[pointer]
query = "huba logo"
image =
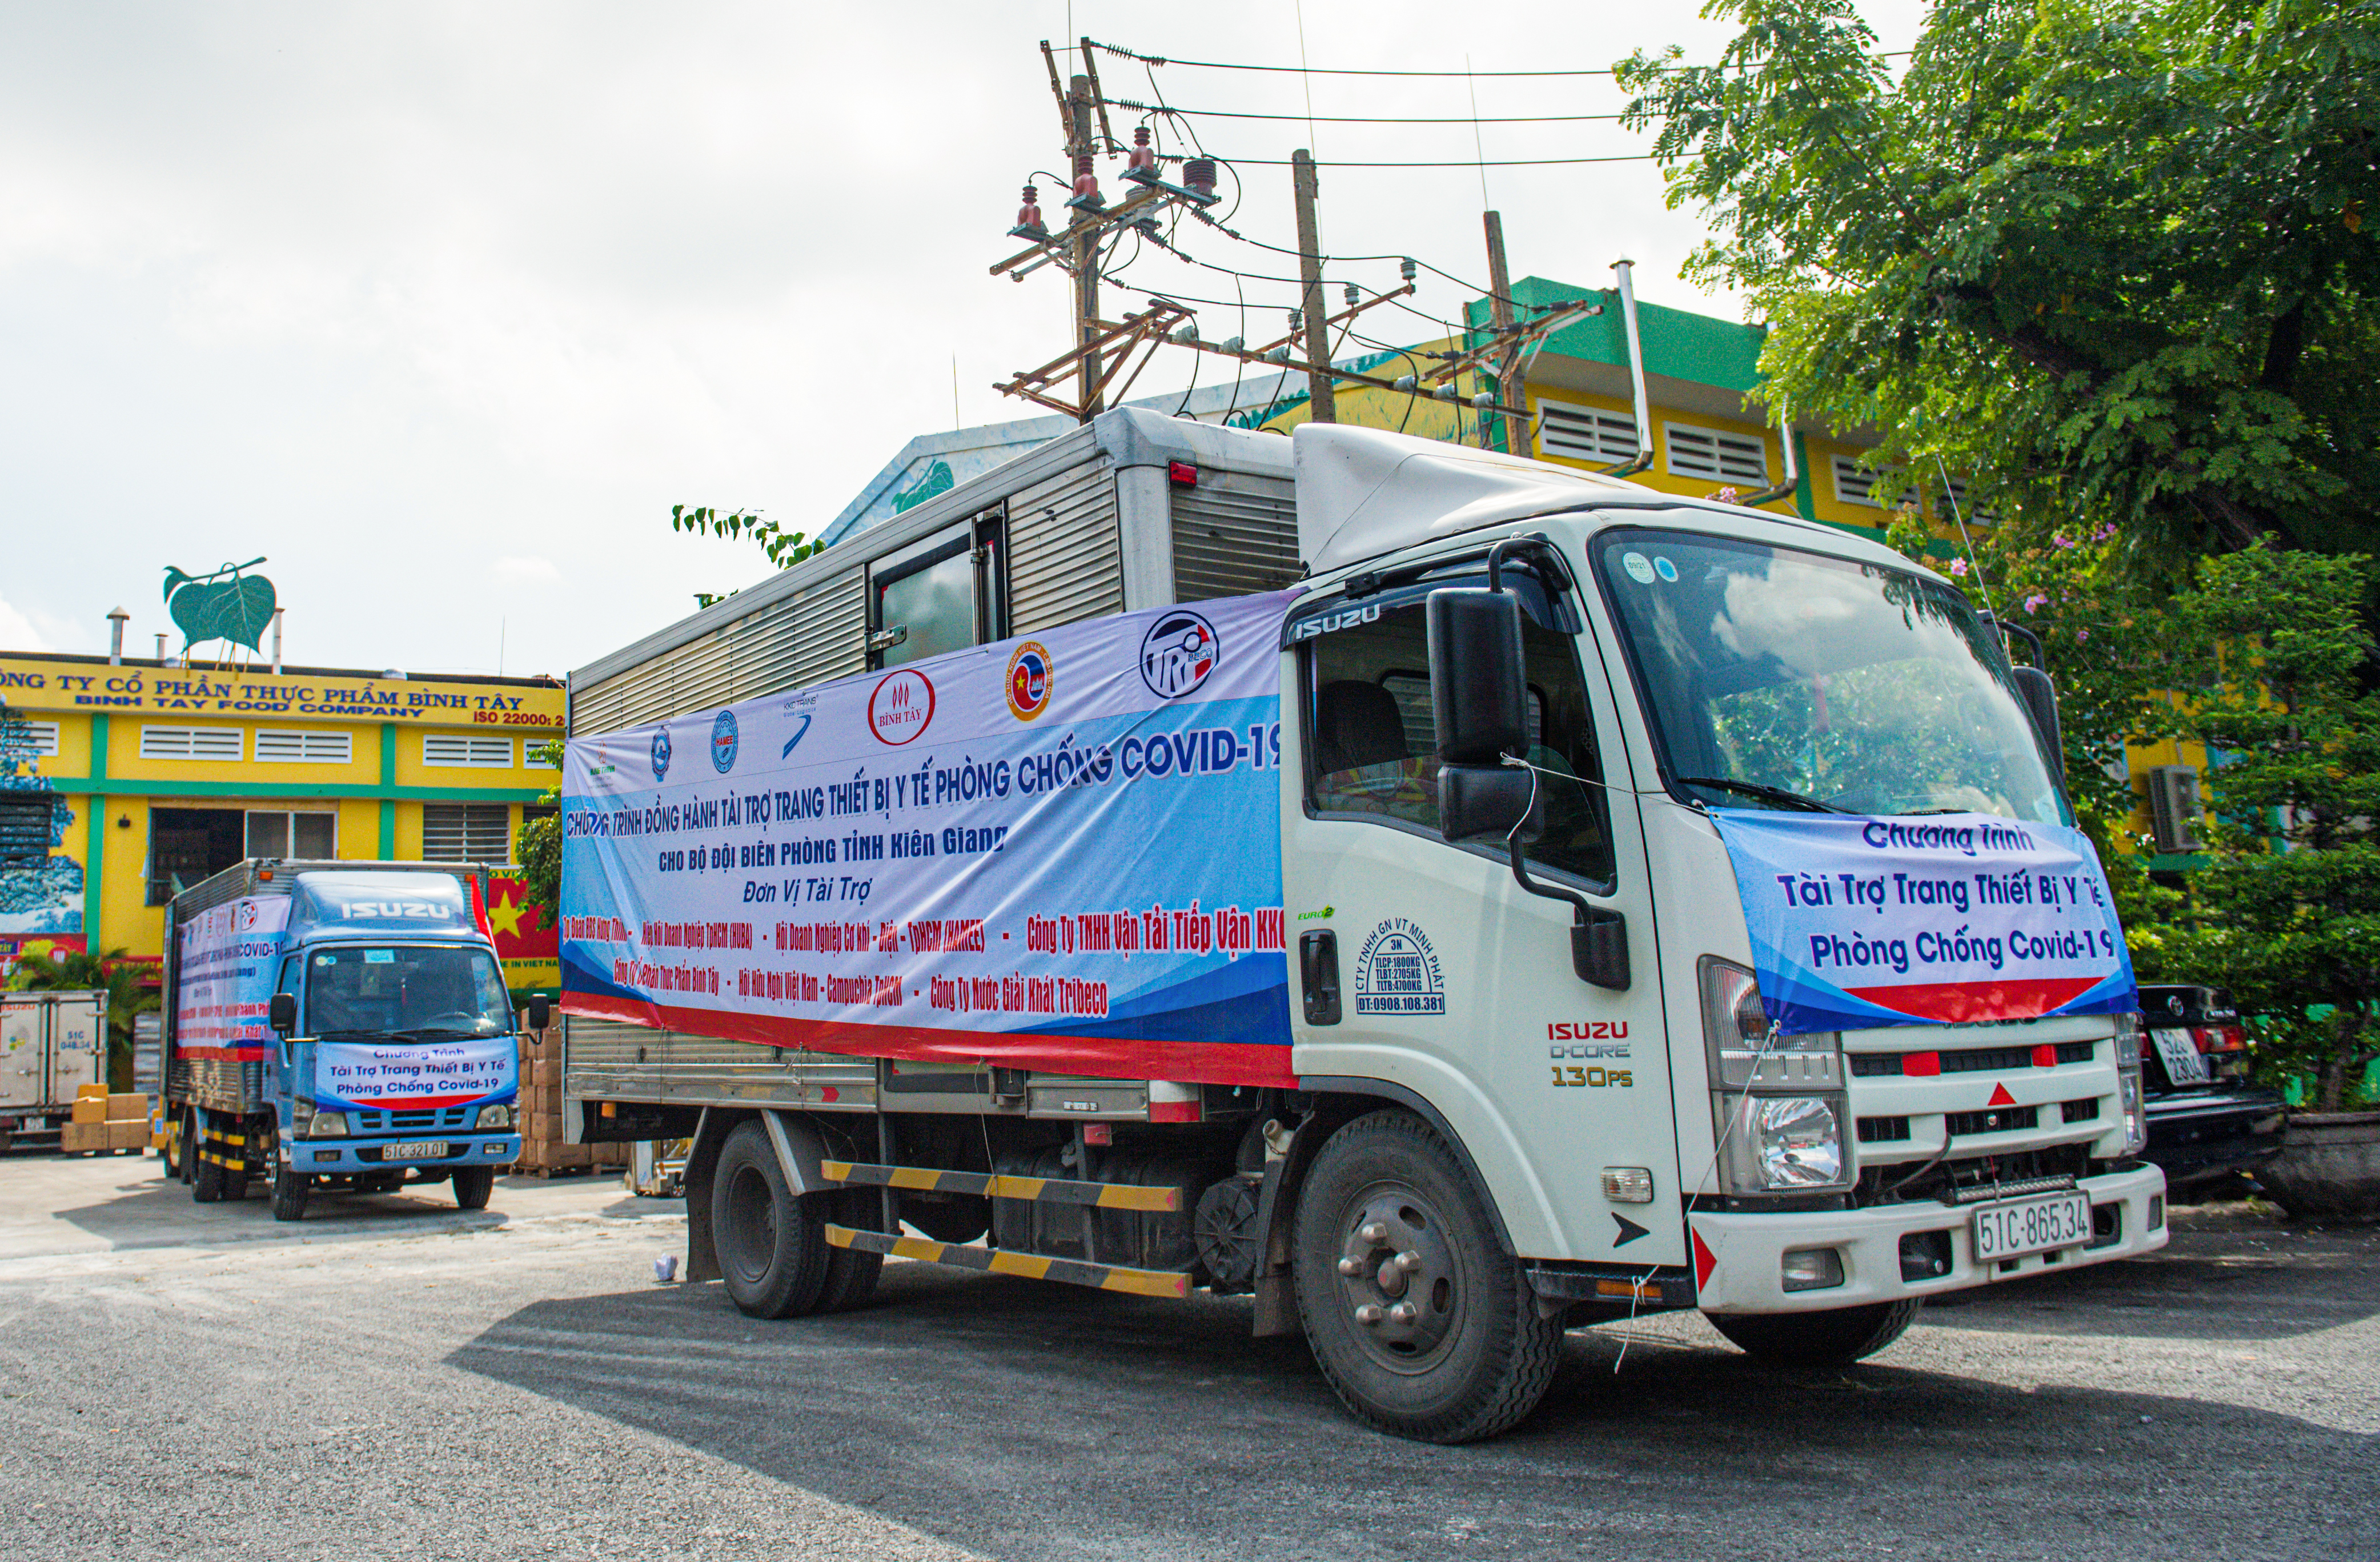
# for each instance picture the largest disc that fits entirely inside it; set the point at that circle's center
(1177, 654)
(722, 742)
(901, 707)
(661, 753)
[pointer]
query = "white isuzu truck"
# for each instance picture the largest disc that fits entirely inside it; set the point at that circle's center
(1451, 898)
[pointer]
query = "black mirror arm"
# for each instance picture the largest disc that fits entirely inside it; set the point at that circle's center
(1598, 936)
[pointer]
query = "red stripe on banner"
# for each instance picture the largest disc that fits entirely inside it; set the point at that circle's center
(222, 1055)
(1107, 1057)
(1968, 1003)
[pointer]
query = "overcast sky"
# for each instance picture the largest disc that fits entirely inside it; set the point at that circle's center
(441, 307)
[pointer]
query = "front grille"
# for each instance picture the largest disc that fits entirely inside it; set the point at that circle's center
(428, 1119)
(2001, 1120)
(1883, 1130)
(1979, 1060)
(1969, 1177)
(2080, 1111)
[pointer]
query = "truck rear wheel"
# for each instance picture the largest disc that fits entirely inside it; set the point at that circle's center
(289, 1191)
(1834, 1338)
(772, 1253)
(207, 1179)
(472, 1186)
(1423, 1325)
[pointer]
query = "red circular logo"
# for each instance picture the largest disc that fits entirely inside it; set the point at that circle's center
(902, 706)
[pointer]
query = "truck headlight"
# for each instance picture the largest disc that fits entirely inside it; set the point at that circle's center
(2127, 1083)
(496, 1114)
(328, 1125)
(1778, 1102)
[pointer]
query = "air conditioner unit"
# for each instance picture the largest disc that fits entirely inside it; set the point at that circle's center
(2174, 808)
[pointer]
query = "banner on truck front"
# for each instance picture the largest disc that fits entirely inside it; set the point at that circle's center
(1931, 919)
(1059, 851)
(224, 973)
(397, 1075)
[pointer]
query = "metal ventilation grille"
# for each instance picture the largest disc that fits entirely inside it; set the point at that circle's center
(1066, 560)
(819, 632)
(1234, 535)
(476, 832)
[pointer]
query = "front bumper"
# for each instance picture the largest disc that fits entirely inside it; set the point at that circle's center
(353, 1157)
(2202, 1134)
(1739, 1255)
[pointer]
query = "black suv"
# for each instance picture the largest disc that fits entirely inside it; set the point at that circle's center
(2204, 1118)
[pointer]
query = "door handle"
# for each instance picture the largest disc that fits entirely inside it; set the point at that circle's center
(1317, 969)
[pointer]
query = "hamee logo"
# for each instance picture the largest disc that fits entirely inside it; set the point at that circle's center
(1177, 654)
(722, 742)
(660, 752)
(1030, 674)
(901, 707)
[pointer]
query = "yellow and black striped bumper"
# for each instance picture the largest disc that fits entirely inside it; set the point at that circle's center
(1028, 1267)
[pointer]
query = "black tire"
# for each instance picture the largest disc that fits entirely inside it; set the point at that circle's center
(208, 1180)
(289, 1191)
(472, 1187)
(772, 1254)
(1472, 1356)
(1835, 1338)
(186, 1154)
(851, 1274)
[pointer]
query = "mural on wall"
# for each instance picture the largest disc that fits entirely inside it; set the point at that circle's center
(226, 604)
(40, 892)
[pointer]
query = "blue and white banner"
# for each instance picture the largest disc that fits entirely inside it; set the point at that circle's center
(1059, 851)
(413, 1075)
(1937, 919)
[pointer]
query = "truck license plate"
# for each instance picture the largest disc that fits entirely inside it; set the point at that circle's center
(436, 1151)
(2031, 1226)
(2184, 1064)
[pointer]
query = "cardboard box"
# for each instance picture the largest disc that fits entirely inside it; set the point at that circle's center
(128, 1108)
(545, 1126)
(92, 1088)
(83, 1136)
(89, 1111)
(128, 1136)
(546, 1072)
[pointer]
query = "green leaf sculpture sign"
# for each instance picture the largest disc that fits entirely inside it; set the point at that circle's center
(226, 604)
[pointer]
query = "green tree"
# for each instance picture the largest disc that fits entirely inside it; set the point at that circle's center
(540, 841)
(2107, 260)
(80, 971)
(785, 549)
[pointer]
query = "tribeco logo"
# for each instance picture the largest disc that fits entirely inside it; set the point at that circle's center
(1030, 674)
(1177, 654)
(902, 706)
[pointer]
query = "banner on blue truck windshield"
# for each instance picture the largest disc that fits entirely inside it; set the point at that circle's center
(1934, 919)
(224, 971)
(412, 1075)
(1059, 851)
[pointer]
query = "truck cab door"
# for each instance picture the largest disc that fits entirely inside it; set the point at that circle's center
(1454, 983)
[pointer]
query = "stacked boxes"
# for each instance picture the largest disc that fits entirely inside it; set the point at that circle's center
(542, 1123)
(102, 1121)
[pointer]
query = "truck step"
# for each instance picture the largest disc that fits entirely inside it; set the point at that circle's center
(1036, 1190)
(1028, 1267)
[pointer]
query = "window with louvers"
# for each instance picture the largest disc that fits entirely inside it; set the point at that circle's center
(456, 749)
(193, 743)
(24, 819)
(1721, 457)
(1584, 434)
(304, 747)
(474, 832)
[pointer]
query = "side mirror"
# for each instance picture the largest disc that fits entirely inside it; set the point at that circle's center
(540, 1011)
(1484, 803)
(2040, 696)
(282, 1013)
(1476, 675)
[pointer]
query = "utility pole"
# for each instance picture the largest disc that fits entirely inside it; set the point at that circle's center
(1325, 408)
(1500, 305)
(1086, 248)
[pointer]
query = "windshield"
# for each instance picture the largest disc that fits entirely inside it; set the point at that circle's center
(394, 990)
(1777, 679)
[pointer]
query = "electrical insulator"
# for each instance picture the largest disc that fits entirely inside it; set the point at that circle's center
(1408, 268)
(1143, 156)
(1483, 400)
(1354, 295)
(1198, 174)
(1087, 184)
(1448, 393)
(1031, 214)
(1408, 383)
(1296, 321)
(1236, 344)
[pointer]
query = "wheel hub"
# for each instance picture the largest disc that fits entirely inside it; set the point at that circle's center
(1398, 1276)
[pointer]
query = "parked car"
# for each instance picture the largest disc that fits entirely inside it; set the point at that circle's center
(2205, 1120)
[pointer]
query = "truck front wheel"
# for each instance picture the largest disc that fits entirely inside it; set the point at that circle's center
(772, 1255)
(1423, 1325)
(289, 1192)
(472, 1186)
(207, 1178)
(1835, 1338)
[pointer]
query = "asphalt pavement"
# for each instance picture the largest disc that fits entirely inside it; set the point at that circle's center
(398, 1378)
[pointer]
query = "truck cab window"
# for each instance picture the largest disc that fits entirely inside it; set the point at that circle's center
(422, 990)
(1371, 734)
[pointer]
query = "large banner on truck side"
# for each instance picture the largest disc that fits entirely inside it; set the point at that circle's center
(1059, 851)
(224, 973)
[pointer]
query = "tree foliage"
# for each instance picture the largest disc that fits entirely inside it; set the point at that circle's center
(540, 840)
(2105, 259)
(785, 549)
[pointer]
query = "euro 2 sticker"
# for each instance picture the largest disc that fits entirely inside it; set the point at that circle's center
(1177, 654)
(722, 742)
(1397, 972)
(1030, 674)
(902, 706)
(1664, 569)
(660, 752)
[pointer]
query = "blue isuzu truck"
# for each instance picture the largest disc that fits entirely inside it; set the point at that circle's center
(341, 1025)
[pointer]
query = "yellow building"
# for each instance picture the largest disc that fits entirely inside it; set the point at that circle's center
(123, 782)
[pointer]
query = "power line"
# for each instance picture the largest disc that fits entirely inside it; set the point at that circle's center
(1441, 75)
(1465, 163)
(1363, 118)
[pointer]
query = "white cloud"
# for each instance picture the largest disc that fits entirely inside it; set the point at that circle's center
(16, 631)
(528, 571)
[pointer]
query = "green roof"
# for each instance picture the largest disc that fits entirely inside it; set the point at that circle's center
(1679, 344)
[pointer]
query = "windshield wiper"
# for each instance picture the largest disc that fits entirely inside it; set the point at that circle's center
(425, 1032)
(1777, 795)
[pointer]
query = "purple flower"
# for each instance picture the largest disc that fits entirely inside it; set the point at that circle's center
(2033, 603)
(2082, 634)
(2063, 541)
(1959, 568)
